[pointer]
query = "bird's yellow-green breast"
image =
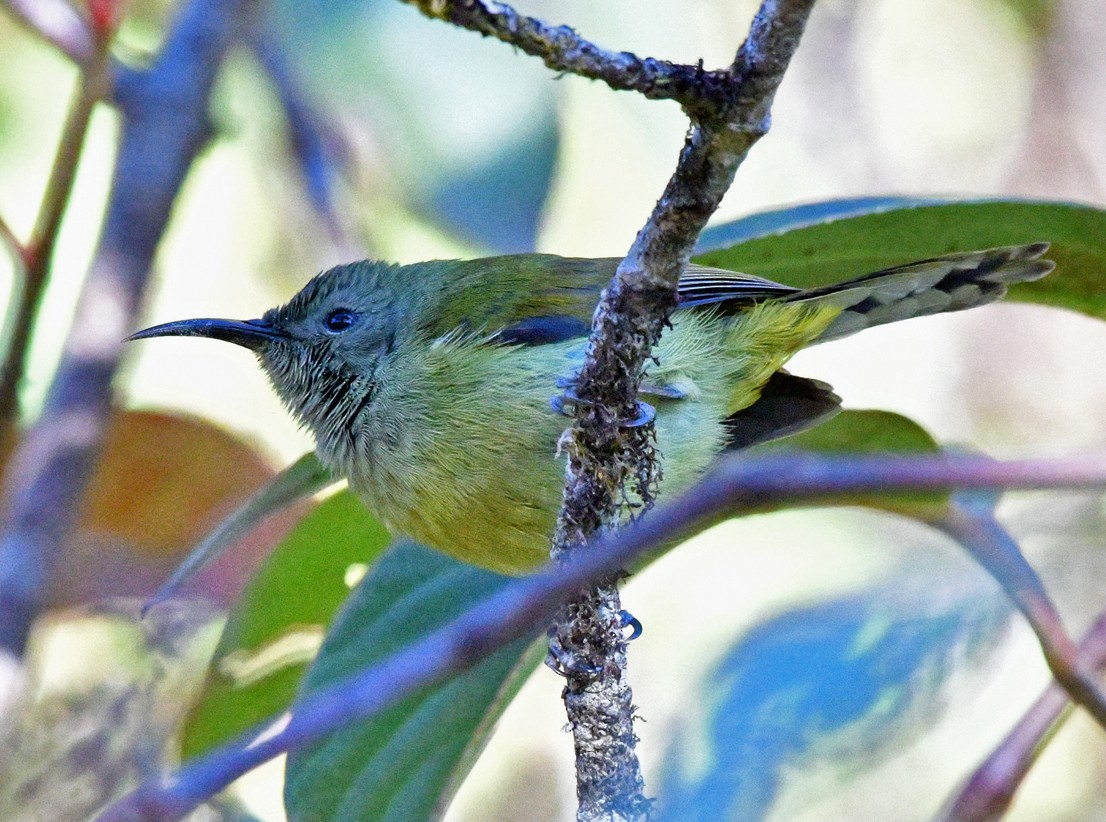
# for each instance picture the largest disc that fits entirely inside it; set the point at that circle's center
(460, 448)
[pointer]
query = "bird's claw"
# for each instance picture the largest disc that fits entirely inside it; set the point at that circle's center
(565, 403)
(633, 623)
(566, 663)
(665, 392)
(558, 405)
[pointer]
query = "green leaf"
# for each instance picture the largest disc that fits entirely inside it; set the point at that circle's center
(780, 220)
(277, 626)
(862, 431)
(405, 763)
(828, 242)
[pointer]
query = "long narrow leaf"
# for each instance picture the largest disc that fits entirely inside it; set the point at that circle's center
(404, 763)
(303, 477)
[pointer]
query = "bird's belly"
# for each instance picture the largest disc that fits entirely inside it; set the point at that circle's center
(508, 530)
(492, 506)
(500, 512)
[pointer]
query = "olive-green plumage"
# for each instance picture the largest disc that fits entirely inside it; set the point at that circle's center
(429, 386)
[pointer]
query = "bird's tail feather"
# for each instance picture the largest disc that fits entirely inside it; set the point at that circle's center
(950, 283)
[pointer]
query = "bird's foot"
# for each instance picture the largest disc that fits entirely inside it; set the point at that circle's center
(646, 414)
(566, 403)
(566, 663)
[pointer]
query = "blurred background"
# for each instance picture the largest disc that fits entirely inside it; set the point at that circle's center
(440, 144)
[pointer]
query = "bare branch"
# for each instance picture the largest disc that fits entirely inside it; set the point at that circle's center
(39, 252)
(58, 23)
(563, 50)
(1000, 555)
(13, 244)
(987, 794)
(738, 485)
(165, 126)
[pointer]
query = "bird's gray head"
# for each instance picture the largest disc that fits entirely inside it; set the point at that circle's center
(323, 351)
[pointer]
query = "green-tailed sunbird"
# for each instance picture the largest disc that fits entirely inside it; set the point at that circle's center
(429, 386)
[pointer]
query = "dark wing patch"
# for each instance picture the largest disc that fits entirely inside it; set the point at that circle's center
(551, 328)
(787, 405)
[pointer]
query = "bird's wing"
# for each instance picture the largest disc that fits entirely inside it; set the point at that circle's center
(520, 299)
(537, 299)
(701, 285)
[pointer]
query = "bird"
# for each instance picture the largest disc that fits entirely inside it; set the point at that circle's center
(432, 388)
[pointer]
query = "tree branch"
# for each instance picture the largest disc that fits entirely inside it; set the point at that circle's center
(604, 453)
(729, 111)
(12, 243)
(988, 792)
(165, 126)
(738, 485)
(999, 554)
(563, 50)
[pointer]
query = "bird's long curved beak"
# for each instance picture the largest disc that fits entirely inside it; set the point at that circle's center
(252, 334)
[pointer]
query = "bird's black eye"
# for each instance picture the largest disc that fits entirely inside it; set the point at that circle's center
(339, 319)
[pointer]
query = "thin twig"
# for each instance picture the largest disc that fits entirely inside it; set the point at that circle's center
(61, 25)
(988, 792)
(39, 251)
(738, 485)
(10, 241)
(993, 548)
(58, 23)
(563, 50)
(165, 125)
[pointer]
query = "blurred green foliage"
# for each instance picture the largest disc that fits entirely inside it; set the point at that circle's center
(276, 626)
(467, 131)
